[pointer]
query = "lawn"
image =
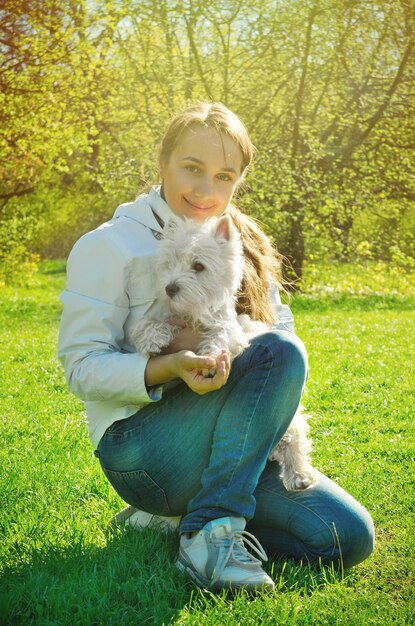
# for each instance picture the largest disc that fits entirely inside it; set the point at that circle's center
(61, 564)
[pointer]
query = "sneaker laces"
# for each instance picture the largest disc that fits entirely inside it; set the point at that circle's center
(236, 550)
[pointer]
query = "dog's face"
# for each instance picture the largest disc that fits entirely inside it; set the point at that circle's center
(199, 266)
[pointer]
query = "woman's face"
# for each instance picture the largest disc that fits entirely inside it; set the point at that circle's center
(202, 174)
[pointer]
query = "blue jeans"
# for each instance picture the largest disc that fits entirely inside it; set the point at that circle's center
(205, 457)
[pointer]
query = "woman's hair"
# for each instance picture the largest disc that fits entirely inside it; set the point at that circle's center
(207, 115)
(262, 261)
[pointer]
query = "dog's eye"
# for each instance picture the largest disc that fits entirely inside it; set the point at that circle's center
(198, 267)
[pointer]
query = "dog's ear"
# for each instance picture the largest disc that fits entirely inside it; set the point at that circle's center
(223, 227)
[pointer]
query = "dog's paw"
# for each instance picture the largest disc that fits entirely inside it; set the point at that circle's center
(209, 373)
(273, 455)
(151, 336)
(300, 480)
(208, 349)
(149, 349)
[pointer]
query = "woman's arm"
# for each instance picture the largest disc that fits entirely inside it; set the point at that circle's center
(91, 336)
(191, 368)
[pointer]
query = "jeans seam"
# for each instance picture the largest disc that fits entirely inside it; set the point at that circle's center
(246, 429)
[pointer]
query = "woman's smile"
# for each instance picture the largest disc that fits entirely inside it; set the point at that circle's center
(197, 206)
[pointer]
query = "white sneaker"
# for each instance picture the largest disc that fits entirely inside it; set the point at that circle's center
(138, 520)
(217, 558)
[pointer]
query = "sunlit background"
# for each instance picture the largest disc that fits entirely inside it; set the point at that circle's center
(326, 89)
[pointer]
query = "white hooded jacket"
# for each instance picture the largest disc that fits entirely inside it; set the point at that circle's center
(110, 285)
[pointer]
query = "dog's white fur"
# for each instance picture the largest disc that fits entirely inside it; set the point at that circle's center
(204, 299)
(199, 268)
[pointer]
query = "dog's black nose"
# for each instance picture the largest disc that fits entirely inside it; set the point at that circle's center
(172, 289)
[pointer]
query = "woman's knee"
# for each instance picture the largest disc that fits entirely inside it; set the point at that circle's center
(285, 348)
(359, 540)
(344, 542)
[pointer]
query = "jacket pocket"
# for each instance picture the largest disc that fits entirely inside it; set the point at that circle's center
(140, 490)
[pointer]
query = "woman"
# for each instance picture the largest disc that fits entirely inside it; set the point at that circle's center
(175, 442)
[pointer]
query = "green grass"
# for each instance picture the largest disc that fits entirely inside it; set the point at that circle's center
(60, 564)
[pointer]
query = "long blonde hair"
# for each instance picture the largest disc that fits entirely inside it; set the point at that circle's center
(262, 261)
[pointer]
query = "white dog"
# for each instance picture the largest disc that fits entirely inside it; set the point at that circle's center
(199, 268)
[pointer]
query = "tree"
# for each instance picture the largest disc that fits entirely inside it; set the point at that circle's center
(317, 82)
(52, 77)
(325, 87)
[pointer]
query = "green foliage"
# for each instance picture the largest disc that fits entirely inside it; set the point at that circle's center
(391, 226)
(18, 263)
(59, 562)
(326, 89)
(368, 279)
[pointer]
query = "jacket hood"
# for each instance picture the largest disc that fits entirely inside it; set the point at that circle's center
(141, 210)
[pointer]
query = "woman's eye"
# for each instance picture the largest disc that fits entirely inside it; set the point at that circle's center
(198, 267)
(192, 169)
(224, 177)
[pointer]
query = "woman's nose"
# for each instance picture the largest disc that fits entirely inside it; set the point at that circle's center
(204, 187)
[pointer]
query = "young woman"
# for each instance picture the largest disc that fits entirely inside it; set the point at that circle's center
(172, 441)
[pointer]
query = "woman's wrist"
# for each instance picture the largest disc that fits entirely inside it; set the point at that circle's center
(160, 369)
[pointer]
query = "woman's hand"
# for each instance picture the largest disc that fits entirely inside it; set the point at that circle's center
(203, 374)
(200, 373)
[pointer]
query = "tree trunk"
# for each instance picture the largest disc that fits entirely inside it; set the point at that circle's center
(293, 248)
